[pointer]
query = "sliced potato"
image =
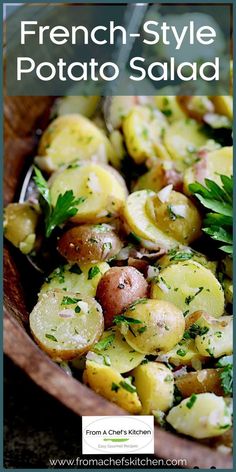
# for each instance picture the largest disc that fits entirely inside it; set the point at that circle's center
(169, 106)
(206, 380)
(76, 278)
(102, 188)
(151, 326)
(143, 129)
(64, 325)
(191, 287)
(160, 175)
(84, 105)
(185, 353)
(111, 385)
(210, 166)
(176, 255)
(20, 222)
(177, 216)
(201, 416)
(182, 140)
(155, 387)
(196, 106)
(218, 341)
(223, 105)
(113, 350)
(89, 243)
(72, 137)
(137, 219)
(116, 108)
(117, 142)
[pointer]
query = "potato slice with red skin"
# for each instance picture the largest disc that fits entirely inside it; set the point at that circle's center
(202, 381)
(89, 243)
(117, 289)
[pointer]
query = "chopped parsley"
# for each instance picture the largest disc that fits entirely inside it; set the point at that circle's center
(69, 301)
(226, 377)
(195, 330)
(51, 337)
(180, 255)
(128, 386)
(104, 343)
(93, 271)
(140, 301)
(181, 352)
(190, 298)
(114, 387)
(191, 401)
(75, 269)
(77, 309)
(125, 319)
(167, 113)
(142, 329)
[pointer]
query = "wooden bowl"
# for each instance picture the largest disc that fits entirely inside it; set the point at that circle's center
(23, 117)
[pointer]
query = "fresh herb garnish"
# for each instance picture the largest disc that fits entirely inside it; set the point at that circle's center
(75, 269)
(180, 255)
(51, 337)
(142, 329)
(191, 401)
(93, 271)
(190, 298)
(181, 352)
(114, 387)
(125, 319)
(218, 223)
(128, 386)
(69, 301)
(66, 204)
(104, 343)
(226, 377)
(195, 330)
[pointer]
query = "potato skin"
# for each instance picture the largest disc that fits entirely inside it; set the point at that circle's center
(117, 289)
(89, 243)
(206, 380)
(184, 230)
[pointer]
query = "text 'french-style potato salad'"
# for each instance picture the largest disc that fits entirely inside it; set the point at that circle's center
(130, 216)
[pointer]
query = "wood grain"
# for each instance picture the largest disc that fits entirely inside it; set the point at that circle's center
(22, 117)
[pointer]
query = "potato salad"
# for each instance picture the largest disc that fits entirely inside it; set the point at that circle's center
(129, 218)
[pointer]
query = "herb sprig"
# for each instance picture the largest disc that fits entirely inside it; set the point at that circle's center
(66, 204)
(218, 223)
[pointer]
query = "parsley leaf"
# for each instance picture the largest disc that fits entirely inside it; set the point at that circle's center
(51, 337)
(66, 204)
(75, 269)
(195, 330)
(93, 271)
(128, 386)
(104, 343)
(69, 301)
(191, 401)
(218, 223)
(125, 319)
(226, 377)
